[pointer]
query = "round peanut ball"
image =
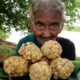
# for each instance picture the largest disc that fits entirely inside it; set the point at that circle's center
(51, 49)
(40, 71)
(29, 51)
(61, 68)
(15, 66)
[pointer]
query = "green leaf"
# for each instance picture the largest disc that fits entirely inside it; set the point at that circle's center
(2, 73)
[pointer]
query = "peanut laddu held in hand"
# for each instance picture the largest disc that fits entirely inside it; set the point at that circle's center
(40, 71)
(61, 68)
(51, 49)
(15, 66)
(29, 51)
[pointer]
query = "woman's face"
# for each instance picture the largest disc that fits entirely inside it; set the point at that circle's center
(47, 25)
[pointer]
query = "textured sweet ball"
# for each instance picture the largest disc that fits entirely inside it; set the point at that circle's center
(29, 51)
(40, 71)
(51, 49)
(61, 68)
(15, 66)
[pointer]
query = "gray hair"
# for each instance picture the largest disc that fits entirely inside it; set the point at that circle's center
(49, 5)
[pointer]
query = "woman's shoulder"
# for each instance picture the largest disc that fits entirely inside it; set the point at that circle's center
(29, 37)
(65, 40)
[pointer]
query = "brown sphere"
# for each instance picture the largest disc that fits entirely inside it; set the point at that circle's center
(40, 71)
(29, 51)
(15, 66)
(51, 49)
(61, 68)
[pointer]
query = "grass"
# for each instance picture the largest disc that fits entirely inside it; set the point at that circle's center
(75, 29)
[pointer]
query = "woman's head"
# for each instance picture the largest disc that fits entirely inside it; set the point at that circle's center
(48, 5)
(47, 19)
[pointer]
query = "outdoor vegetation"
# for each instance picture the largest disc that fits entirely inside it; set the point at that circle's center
(6, 52)
(3, 35)
(71, 28)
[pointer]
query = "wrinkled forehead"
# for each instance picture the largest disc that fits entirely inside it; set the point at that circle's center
(48, 14)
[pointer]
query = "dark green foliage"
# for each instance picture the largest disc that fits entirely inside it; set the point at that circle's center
(14, 13)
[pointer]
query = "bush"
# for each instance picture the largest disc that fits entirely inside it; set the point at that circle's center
(77, 58)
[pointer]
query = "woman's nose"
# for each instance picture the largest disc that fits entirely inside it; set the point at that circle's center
(46, 34)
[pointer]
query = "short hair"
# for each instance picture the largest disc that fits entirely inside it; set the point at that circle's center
(49, 5)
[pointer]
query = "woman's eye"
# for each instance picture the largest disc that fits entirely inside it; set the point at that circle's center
(39, 26)
(54, 26)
